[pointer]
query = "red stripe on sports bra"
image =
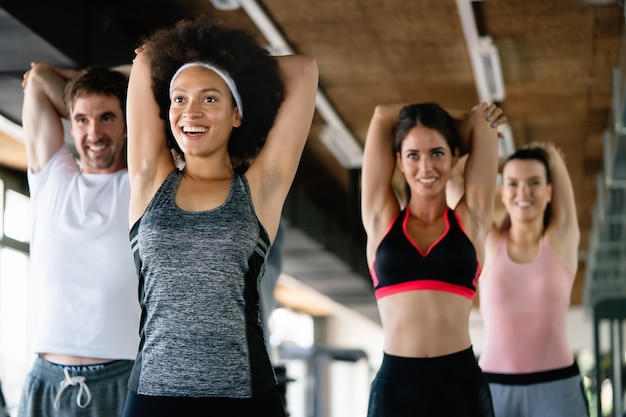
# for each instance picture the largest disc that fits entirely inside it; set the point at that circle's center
(373, 274)
(432, 245)
(424, 284)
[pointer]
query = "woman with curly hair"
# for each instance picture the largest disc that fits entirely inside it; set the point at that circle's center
(425, 257)
(201, 230)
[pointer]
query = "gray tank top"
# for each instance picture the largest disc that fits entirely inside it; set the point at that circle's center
(199, 272)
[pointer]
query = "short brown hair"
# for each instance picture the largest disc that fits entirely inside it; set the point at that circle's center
(95, 80)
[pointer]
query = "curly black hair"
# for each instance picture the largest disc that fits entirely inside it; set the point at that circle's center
(254, 71)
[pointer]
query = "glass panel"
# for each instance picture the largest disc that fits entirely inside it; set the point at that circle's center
(296, 330)
(15, 324)
(17, 216)
(1, 206)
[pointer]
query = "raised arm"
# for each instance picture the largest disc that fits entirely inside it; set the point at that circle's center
(42, 111)
(455, 188)
(149, 158)
(476, 206)
(379, 203)
(273, 170)
(563, 229)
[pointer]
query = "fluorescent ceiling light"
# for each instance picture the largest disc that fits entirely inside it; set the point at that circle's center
(347, 152)
(278, 45)
(490, 70)
(226, 5)
(11, 129)
(484, 56)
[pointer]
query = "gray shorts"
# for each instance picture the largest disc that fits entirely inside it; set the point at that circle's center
(53, 390)
(554, 393)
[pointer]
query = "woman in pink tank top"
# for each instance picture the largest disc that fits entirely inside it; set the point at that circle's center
(525, 287)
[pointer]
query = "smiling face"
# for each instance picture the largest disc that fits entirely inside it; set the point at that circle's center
(202, 114)
(525, 190)
(426, 161)
(97, 126)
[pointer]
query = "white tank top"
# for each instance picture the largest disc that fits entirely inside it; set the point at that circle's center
(81, 263)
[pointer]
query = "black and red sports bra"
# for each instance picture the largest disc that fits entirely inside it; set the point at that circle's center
(450, 263)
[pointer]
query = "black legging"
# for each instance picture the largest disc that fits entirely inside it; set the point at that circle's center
(445, 386)
(267, 404)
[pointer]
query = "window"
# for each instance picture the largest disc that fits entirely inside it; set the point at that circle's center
(16, 318)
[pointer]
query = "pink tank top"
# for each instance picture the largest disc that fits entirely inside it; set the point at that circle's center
(524, 309)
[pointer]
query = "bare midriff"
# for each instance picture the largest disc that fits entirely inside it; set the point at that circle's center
(425, 324)
(72, 360)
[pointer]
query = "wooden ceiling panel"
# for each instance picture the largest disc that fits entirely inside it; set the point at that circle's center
(606, 56)
(408, 23)
(533, 7)
(303, 12)
(350, 65)
(538, 36)
(568, 138)
(585, 220)
(596, 123)
(609, 21)
(521, 88)
(586, 197)
(419, 7)
(608, 48)
(439, 62)
(351, 31)
(548, 72)
(575, 163)
(594, 143)
(450, 95)
(546, 109)
(599, 99)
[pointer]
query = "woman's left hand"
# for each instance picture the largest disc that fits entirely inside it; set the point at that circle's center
(495, 115)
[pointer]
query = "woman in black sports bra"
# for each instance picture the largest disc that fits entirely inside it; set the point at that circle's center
(425, 258)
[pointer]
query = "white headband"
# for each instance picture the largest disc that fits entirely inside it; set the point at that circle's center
(223, 75)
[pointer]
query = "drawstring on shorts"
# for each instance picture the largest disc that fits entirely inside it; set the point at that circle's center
(72, 381)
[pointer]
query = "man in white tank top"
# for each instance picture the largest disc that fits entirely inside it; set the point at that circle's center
(87, 308)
